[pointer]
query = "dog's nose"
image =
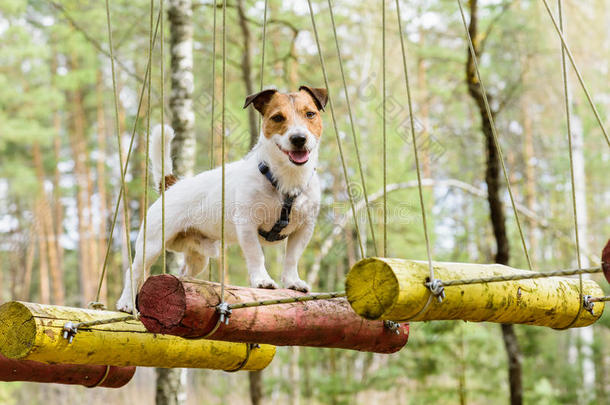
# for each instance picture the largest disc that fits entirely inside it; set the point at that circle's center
(298, 140)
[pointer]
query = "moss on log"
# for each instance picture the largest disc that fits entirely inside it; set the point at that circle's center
(394, 289)
(34, 332)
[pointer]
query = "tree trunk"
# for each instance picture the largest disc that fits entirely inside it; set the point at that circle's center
(584, 335)
(255, 377)
(180, 17)
(496, 207)
(256, 387)
(168, 386)
(246, 69)
(101, 178)
(47, 230)
(81, 173)
(43, 266)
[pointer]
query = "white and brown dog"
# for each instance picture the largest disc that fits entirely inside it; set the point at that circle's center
(271, 194)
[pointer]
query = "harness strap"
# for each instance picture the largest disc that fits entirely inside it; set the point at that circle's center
(273, 235)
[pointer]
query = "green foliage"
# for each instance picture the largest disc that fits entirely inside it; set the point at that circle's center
(46, 62)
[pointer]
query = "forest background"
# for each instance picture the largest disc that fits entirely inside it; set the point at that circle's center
(59, 175)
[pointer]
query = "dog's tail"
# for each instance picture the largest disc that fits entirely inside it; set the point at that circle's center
(155, 156)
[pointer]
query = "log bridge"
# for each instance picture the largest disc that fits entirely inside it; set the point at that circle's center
(395, 289)
(31, 331)
(187, 307)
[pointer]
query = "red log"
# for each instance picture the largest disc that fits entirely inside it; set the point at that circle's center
(76, 374)
(606, 261)
(187, 308)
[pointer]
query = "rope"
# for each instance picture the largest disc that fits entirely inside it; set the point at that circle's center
(163, 252)
(213, 94)
(249, 348)
(385, 147)
(222, 136)
(494, 133)
(262, 73)
(118, 133)
(149, 84)
(70, 329)
(525, 276)
(101, 380)
(577, 71)
(212, 112)
(303, 298)
(118, 201)
(600, 299)
(441, 283)
(438, 293)
(352, 127)
(340, 147)
(570, 153)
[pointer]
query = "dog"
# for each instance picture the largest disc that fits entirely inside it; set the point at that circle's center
(272, 194)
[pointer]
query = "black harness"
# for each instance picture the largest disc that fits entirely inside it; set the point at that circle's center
(273, 235)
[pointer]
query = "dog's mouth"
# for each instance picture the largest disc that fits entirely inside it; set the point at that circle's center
(298, 157)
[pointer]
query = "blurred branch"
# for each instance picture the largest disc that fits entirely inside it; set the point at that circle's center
(339, 227)
(94, 42)
(492, 25)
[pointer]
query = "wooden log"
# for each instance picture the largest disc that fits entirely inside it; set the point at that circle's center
(394, 289)
(74, 374)
(34, 332)
(606, 261)
(187, 308)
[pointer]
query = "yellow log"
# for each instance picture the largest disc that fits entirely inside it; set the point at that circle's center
(34, 332)
(393, 289)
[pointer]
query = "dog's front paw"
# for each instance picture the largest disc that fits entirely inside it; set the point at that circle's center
(263, 282)
(297, 285)
(124, 304)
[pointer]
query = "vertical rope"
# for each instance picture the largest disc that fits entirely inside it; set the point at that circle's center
(213, 111)
(118, 129)
(414, 140)
(577, 71)
(564, 75)
(147, 152)
(353, 130)
(385, 147)
(213, 91)
(332, 114)
(494, 132)
(222, 135)
(163, 252)
(262, 73)
(118, 201)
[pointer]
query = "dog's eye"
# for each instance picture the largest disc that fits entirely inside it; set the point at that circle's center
(310, 114)
(277, 118)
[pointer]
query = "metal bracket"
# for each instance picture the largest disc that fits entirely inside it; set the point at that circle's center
(225, 312)
(392, 326)
(69, 331)
(436, 288)
(587, 304)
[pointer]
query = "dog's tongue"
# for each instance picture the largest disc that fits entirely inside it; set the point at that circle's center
(299, 156)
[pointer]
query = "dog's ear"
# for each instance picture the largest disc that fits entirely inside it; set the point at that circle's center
(260, 99)
(319, 95)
